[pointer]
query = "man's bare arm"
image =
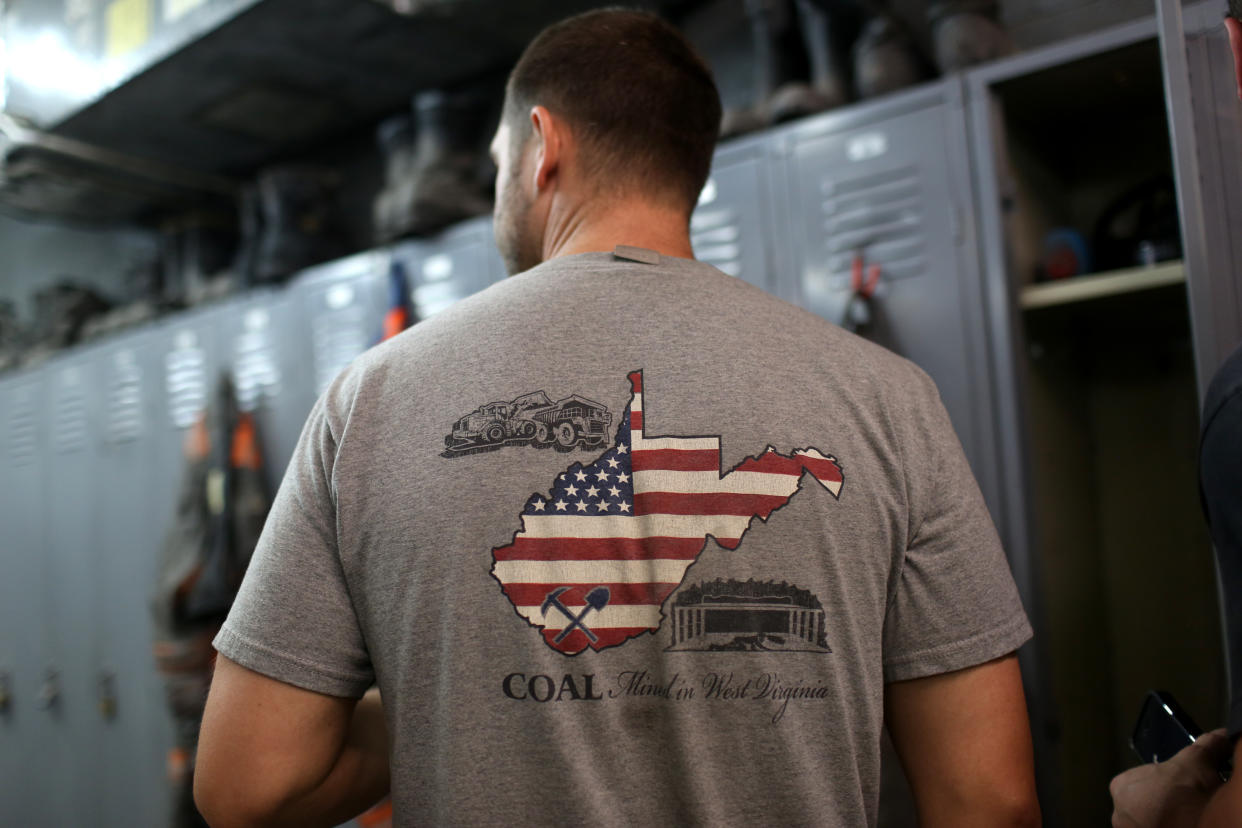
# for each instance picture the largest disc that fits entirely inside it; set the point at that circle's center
(272, 754)
(965, 742)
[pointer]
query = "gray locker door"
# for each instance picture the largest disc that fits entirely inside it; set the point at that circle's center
(69, 590)
(264, 343)
(25, 729)
(891, 183)
(185, 366)
(479, 231)
(342, 304)
(131, 769)
(733, 225)
(448, 268)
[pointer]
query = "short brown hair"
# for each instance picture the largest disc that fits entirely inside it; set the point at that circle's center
(641, 102)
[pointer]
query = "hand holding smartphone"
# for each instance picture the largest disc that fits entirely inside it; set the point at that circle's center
(1163, 729)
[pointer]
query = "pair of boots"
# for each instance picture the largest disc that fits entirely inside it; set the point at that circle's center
(61, 312)
(432, 171)
(964, 33)
(846, 53)
(288, 223)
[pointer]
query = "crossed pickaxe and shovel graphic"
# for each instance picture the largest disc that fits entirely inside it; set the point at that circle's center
(596, 600)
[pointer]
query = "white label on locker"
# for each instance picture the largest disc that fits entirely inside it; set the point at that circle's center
(256, 319)
(177, 9)
(437, 267)
(865, 147)
(185, 380)
(709, 192)
(124, 398)
(341, 296)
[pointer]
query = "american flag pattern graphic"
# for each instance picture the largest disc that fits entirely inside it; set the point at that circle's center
(597, 556)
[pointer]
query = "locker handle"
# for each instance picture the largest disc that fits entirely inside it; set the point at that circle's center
(107, 695)
(6, 699)
(49, 695)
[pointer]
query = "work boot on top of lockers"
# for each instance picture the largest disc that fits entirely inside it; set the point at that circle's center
(775, 55)
(886, 59)
(966, 33)
(395, 137)
(297, 210)
(443, 186)
(143, 301)
(60, 313)
(828, 28)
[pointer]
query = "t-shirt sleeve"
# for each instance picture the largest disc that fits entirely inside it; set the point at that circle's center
(955, 604)
(293, 619)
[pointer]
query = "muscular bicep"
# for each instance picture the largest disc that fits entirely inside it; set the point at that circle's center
(264, 743)
(965, 742)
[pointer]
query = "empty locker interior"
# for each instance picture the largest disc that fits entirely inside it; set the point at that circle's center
(1074, 394)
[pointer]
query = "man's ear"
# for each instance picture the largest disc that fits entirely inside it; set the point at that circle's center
(550, 136)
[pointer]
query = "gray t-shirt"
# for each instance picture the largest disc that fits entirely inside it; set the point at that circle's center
(625, 542)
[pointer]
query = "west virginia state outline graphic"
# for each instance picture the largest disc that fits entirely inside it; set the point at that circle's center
(596, 558)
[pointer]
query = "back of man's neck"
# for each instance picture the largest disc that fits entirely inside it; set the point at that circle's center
(664, 231)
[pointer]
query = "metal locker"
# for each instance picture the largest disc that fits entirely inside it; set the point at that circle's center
(68, 592)
(266, 350)
(449, 267)
(890, 183)
(128, 699)
(485, 233)
(733, 225)
(342, 304)
(25, 729)
(186, 362)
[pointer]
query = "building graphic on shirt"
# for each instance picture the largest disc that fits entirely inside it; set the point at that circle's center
(598, 555)
(748, 616)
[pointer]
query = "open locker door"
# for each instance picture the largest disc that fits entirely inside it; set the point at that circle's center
(1205, 123)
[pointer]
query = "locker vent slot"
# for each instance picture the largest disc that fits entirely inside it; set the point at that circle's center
(69, 413)
(124, 400)
(880, 214)
(339, 337)
(716, 236)
(186, 383)
(256, 373)
(23, 436)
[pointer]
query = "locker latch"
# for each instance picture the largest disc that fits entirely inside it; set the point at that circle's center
(863, 282)
(49, 695)
(5, 699)
(107, 695)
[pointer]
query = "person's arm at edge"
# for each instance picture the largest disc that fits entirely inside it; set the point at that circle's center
(1224, 809)
(272, 754)
(964, 740)
(1183, 792)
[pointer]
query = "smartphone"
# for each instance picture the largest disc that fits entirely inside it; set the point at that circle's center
(1163, 728)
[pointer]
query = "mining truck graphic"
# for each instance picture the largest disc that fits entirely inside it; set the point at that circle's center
(532, 419)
